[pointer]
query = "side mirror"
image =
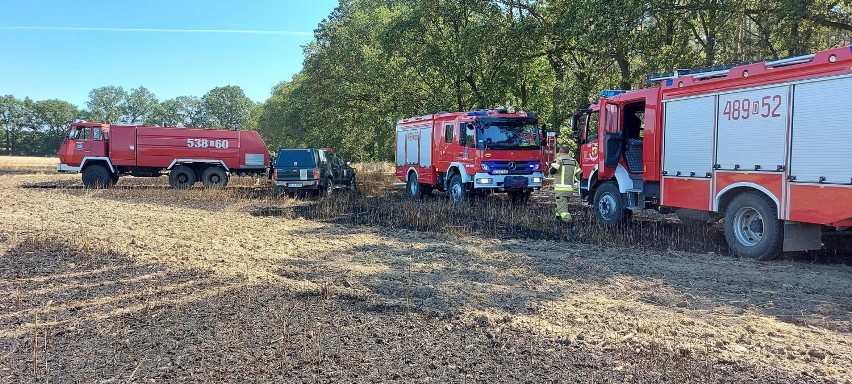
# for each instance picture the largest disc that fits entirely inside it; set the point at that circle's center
(543, 131)
(576, 137)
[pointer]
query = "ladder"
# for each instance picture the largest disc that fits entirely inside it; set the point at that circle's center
(722, 70)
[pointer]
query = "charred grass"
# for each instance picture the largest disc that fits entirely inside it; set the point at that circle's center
(143, 282)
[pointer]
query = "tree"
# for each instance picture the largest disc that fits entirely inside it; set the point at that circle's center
(137, 105)
(227, 106)
(105, 103)
(48, 123)
(11, 117)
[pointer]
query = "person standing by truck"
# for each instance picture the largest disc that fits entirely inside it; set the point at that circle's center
(562, 168)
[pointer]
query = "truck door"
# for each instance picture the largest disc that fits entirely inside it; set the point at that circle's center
(99, 142)
(448, 150)
(79, 145)
(613, 139)
(589, 155)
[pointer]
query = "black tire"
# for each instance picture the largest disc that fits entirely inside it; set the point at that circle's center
(519, 197)
(214, 177)
(114, 179)
(328, 189)
(413, 186)
(609, 205)
(752, 229)
(97, 176)
(456, 189)
(182, 177)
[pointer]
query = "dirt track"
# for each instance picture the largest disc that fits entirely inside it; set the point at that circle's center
(144, 283)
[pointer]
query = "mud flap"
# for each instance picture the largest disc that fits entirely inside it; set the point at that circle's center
(802, 236)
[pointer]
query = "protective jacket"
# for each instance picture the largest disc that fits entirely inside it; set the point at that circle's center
(563, 168)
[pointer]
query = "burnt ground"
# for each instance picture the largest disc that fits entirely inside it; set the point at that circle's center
(143, 283)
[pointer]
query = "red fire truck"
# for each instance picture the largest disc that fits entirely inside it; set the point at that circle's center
(103, 153)
(468, 153)
(763, 146)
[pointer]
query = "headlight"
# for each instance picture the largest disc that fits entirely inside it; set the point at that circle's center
(483, 181)
(536, 180)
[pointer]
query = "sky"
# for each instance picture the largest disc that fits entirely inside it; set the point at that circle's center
(55, 49)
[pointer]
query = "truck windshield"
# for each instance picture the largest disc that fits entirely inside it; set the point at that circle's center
(508, 136)
(295, 158)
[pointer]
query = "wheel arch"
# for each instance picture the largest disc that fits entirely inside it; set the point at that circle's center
(87, 161)
(727, 194)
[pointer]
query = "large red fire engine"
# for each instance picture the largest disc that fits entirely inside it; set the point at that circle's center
(469, 153)
(764, 146)
(103, 152)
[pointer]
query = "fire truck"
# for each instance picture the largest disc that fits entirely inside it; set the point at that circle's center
(471, 153)
(103, 153)
(763, 146)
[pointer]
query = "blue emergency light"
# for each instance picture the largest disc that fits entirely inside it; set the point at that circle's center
(611, 92)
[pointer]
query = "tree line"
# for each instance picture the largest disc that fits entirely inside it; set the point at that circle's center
(373, 62)
(35, 128)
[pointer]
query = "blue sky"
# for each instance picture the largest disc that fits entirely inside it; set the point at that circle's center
(64, 49)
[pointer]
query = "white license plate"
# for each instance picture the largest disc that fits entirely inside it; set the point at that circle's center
(294, 184)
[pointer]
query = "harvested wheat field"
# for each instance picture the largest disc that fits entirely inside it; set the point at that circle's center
(141, 283)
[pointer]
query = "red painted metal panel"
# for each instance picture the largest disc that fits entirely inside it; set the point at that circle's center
(159, 146)
(686, 193)
(820, 204)
(122, 145)
(772, 182)
(251, 143)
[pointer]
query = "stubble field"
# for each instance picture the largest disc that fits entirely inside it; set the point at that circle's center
(141, 283)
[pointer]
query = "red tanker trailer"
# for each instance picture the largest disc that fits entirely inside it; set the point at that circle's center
(103, 153)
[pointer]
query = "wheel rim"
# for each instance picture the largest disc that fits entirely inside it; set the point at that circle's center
(606, 205)
(215, 179)
(456, 192)
(748, 226)
(182, 178)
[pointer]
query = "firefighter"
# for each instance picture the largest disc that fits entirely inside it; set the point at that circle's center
(563, 167)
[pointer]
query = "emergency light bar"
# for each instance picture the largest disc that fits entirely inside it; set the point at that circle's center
(611, 92)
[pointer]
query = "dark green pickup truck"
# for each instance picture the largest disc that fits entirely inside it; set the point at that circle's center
(311, 169)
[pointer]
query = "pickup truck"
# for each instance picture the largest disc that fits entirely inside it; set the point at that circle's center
(311, 169)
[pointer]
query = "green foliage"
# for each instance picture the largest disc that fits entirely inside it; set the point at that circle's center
(105, 103)
(227, 106)
(373, 62)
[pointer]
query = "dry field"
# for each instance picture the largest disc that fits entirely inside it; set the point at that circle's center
(142, 283)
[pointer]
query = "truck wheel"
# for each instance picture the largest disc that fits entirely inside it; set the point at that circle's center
(182, 177)
(329, 187)
(214, 177)
(457, 192)
(609, 205)
(97, 176)
(751, 227)
(413, 186)
(519, 197)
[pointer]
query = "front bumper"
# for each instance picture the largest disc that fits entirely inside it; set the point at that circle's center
(65, 168)
(486, 181)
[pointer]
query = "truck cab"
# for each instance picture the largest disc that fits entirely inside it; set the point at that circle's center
(618, 152)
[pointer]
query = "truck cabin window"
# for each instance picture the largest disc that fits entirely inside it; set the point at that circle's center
(448, 134)
(592, 125)
(469, 132)
(508, 135)
(97, 134)
(78, 133)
